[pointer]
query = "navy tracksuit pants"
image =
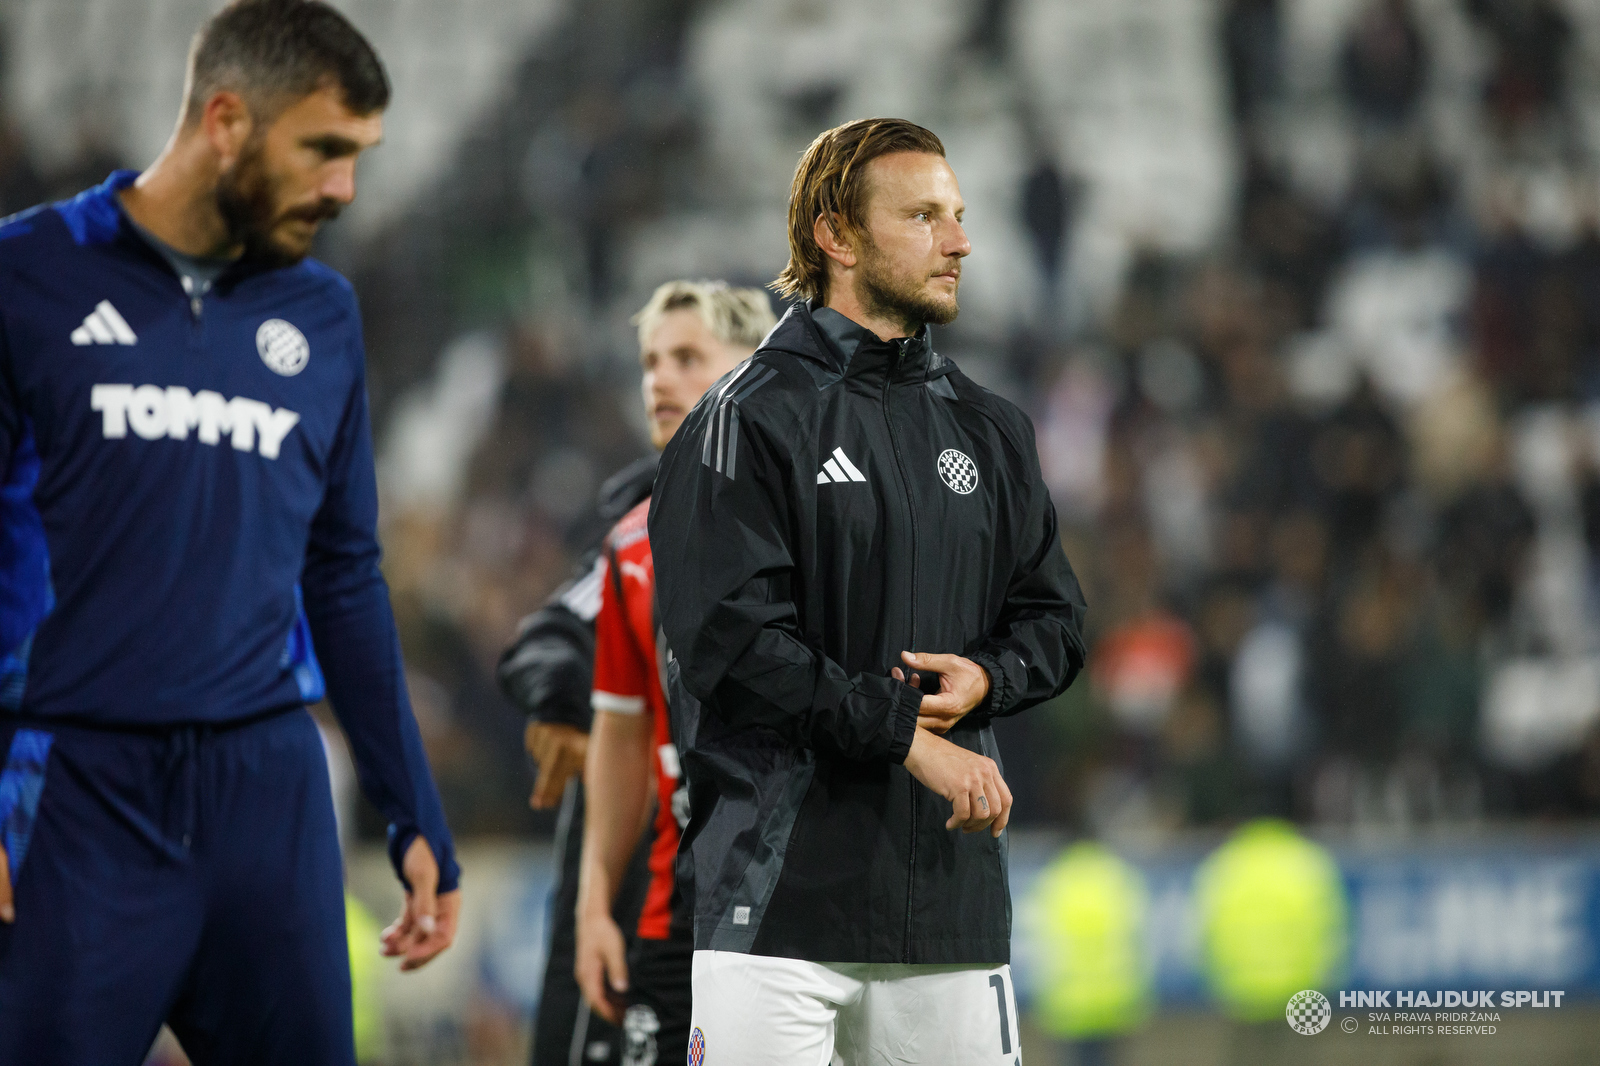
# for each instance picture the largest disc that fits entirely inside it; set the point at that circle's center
(189, 875)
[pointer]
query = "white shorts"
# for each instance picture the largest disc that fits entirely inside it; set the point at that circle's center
(753, 1010)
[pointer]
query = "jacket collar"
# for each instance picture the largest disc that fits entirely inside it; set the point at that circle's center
(95, 216)
(833, 347)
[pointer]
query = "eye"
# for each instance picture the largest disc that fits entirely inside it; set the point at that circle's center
(922, 216)
(330, 148)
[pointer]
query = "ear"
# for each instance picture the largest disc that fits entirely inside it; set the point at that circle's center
(227, 124)
(840, 251)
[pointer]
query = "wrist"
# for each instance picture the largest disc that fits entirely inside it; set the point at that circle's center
(591, 908)
(921, 741)
(990, 702)
(591, 902)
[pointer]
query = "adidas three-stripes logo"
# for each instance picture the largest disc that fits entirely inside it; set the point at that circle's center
(838, 470)
(104, 326)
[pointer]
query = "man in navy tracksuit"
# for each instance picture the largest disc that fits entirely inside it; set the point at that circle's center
(188, 507)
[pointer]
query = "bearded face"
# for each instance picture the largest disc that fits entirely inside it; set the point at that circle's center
(903, 293)
(909, 246)
(250, 198)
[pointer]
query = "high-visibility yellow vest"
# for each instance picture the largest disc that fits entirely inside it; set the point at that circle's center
(1088, 911)
(1273, 918)
(366, 976)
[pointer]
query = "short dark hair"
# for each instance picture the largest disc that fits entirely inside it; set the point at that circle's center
(273, 52)
(830, 181)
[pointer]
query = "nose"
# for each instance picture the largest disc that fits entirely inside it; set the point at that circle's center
(661, 389)
(339, 184)
(958, 247)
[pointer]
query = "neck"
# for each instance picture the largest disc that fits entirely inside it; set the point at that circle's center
(175, 200)
(843, 298)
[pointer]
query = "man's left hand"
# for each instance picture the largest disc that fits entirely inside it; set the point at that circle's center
(962, 686)
(560, 750)
(427, 922)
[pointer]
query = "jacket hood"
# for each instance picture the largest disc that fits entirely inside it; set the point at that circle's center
(834, 347)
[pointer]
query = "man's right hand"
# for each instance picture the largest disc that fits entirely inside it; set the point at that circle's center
(971, 782)
(8, 913)
(559, 749)
(601, 965)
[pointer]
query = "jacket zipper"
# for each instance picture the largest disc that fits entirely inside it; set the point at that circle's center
(905, 485)
(196, 310)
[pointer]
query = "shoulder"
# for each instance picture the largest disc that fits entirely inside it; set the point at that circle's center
(1010, 418)
(312, 279)
(761, 403)
(324, 277)
(1012, 421)
(93, 217)
(772, 387)
(27, 235)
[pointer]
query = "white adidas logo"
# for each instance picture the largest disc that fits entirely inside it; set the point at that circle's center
(104, 326)
(839, 469)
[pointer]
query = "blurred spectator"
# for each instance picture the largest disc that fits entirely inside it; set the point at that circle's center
(1252, 42)
(1274, 919)
(1531, 40)
(1360, 458)
(989, 34)
(1290, 243)
(1401, 200)
(1046, 215)
(1087, 914)
(95, 153)
(1509, 302)
(20, 186)
(1485, 536)
(1140, 667)
(1384, 65)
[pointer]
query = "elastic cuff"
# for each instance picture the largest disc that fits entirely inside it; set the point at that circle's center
(443, 855)
(564, 712)
(904, 725)
(399, 841)
(449, 874)
(995, 701)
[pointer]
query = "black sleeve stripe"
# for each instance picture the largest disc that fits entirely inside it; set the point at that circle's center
(722, 429)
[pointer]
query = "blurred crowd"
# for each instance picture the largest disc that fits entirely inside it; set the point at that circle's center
(1332, 484)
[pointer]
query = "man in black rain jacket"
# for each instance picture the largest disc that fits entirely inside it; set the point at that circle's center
(840, 519)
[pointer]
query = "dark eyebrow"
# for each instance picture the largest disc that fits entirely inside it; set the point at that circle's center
(331, 144)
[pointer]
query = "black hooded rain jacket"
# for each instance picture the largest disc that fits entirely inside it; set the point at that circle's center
(832, 502)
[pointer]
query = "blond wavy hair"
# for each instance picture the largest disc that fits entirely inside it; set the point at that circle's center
(830, 181)
(735, 316)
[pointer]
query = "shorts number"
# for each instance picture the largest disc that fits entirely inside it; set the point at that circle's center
(998, 983)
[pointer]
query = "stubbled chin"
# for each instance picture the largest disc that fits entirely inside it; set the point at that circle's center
(661, 430)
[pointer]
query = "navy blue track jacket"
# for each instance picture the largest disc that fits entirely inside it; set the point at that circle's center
(189, 503)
